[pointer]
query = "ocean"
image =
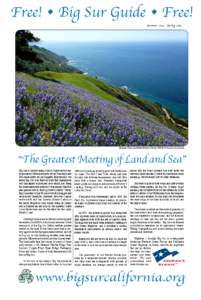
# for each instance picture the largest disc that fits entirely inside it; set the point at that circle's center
(157, 71)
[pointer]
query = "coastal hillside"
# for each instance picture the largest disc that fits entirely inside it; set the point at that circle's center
(46, 60)
(108, 92)
(67, 109)
(58, 105)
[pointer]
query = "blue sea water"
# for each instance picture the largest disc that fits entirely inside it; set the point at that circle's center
(157, 71)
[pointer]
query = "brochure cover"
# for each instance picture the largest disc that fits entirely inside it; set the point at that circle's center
(100, 118)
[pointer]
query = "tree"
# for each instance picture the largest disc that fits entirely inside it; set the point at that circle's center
(23, 51)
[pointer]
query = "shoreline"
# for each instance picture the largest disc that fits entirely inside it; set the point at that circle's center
(126, 88)
(169, 117)
(165, 110)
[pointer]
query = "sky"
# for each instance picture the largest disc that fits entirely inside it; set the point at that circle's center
(109, 35)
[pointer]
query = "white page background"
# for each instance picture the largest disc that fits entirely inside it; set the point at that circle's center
(10, 286)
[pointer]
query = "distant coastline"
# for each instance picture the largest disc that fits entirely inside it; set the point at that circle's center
(156, 72)
(58, 104)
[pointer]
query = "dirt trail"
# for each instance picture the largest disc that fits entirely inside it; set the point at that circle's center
(168, 116)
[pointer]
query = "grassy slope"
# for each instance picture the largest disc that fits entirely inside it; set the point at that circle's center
(79, 80)
(99, 88)
(116, 95)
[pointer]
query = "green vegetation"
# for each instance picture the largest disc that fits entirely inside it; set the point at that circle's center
(56, 113)
(31, 59)
(50, 62)
(84, 81)
(120, 96)
(24, 53)
(47, 65)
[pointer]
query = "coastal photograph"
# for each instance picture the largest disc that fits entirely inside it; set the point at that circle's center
(125, 88)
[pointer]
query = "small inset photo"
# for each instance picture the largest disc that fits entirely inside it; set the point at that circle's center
(124, 88)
